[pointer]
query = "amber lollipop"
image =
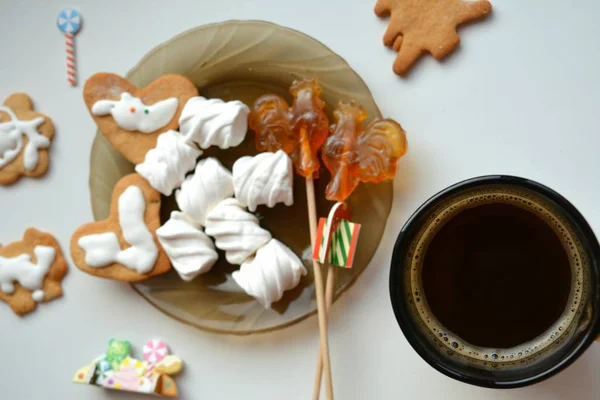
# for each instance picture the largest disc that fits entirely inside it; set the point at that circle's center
(300, 131)
(353, 155)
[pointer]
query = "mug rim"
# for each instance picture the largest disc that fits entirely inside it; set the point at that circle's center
(396, 282)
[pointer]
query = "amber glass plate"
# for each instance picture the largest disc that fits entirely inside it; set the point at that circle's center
(243, 60)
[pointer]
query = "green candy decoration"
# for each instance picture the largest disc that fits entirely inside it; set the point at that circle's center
(117, 351)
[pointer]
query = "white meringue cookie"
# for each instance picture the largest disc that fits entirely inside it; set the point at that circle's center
(235, 231)
(202, 191)
(267, 178)
(165, 165)
(190, 250)
(213, 122)
(274, 270)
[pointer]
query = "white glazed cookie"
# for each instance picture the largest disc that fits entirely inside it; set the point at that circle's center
(274, 270)
(190, 250)
(202, 191)
(165, 165)
(267, 178)
(235, 231)
(31, 271)
(25, 137)
(124, 246)
(102, 249)
(213, 122)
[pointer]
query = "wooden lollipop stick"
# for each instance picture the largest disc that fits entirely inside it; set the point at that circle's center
(328, 301)
(321, 310)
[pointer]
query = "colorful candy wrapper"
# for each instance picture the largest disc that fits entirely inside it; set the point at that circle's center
(117, 370)
(337, 237)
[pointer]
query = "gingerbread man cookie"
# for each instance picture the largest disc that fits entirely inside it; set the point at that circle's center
(418, 26)
(25, 137)
(131, 118)
(124, 247)
(31, 271)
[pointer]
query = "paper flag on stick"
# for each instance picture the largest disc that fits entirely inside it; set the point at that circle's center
(117, 370)
(337, 237)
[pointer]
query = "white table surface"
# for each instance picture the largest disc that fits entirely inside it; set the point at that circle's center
(520, 97)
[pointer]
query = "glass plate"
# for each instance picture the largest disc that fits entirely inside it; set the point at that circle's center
(243, 60)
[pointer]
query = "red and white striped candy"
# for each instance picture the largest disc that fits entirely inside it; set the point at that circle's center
(155, 350)
(71, 76)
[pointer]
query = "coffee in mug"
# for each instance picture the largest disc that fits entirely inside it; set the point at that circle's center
(495, 282)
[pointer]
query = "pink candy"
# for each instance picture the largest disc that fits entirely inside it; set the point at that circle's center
(155, 350)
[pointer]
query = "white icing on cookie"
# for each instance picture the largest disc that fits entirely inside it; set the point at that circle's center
(213, 122)
(29, 275)
(131, 114)
(190, 250)
(11, 140)
(202, 191)
(274, 270)
(235, 231)
(38, 295)
(165, 165)
(103, 249)
(267, 178)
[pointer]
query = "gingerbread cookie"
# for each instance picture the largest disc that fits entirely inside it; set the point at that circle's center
(417, 26)
(131, 118)
(25, 136)
(31, 271)
(124, 247)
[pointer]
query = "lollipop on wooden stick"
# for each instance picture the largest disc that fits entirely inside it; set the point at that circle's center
(300, 131)
(353, 155)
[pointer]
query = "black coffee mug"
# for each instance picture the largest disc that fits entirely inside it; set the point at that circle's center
(518, 365)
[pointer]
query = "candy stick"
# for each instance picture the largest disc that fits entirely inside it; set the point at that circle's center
(71, 76)
(330, 284)
(321, 307)
(69, 22)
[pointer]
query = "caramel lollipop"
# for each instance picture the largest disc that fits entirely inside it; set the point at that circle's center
(353, 155)
(300, 131)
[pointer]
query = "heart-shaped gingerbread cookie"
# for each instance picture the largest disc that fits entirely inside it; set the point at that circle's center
(25, 137)
(124, 247)
(131, 118)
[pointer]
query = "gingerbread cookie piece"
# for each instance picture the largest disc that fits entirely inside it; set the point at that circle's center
(124, 247)
(417, 26)
(31, 271)
(131, 118)
(25, 136)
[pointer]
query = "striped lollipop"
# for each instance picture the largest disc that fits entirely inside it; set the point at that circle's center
(155, 350)
(69, 22)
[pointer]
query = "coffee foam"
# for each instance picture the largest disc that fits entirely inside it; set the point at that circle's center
(495, 358)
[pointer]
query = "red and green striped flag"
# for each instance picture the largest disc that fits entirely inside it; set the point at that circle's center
(342, 242)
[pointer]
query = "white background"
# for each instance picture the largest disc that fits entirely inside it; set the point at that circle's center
(521, 96)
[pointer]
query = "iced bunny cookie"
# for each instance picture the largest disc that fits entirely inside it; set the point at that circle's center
(131, 118)
(31, 271)
(25, 137)
(124, 246)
